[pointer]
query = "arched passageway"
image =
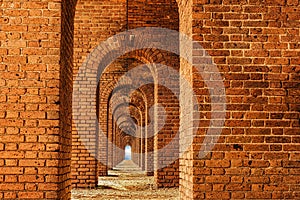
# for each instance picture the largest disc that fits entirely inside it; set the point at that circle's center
(254, 45)
(126, 113)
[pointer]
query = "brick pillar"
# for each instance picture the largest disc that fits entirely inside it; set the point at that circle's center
(34, 110)
(255, 48)
(166, 141)
(110, 139)
(186, 168)
(91, 27)
(149, 147)
(141, 135)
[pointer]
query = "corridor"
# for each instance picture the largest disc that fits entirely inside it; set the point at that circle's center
(204, 92)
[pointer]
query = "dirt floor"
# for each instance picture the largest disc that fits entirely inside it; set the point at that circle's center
(128, 184)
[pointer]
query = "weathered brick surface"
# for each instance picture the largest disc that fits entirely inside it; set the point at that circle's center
(95, 21)
(254, 45)
(34, 140)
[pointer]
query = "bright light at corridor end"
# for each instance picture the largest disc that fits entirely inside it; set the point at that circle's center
(128, 152)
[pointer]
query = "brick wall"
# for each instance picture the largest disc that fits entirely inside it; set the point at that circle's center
(163, 14)
(66, 88)
(186, 181)
(255, 46)
(33, 157)
(112, 105)
(95, 21)
(158, 13)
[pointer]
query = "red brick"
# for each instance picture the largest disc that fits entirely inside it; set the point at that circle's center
(31, 195)
(253, 43)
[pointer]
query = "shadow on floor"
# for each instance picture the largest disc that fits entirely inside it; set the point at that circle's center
(126, 181)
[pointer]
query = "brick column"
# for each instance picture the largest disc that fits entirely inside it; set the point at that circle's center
(166, 140)
(35, 103)
(91, 27)
(255, 48)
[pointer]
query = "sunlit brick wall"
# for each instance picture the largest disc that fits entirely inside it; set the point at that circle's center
(33, 157)
(255, 45)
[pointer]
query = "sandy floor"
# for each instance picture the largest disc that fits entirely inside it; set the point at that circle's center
(126, 185)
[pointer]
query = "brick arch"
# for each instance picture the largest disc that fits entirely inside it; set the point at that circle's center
(152, 56)
(121, 107)
(157, 57)
(163, 97)
(137, 136)
(82, 47)
(119, 103)
(120, 112)
(125, 126)
(106, 93)
(88, 36)
(125, 138)
(255, 53)
(122, 140)
(116, 98)
(137, 111)
(147, 143)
